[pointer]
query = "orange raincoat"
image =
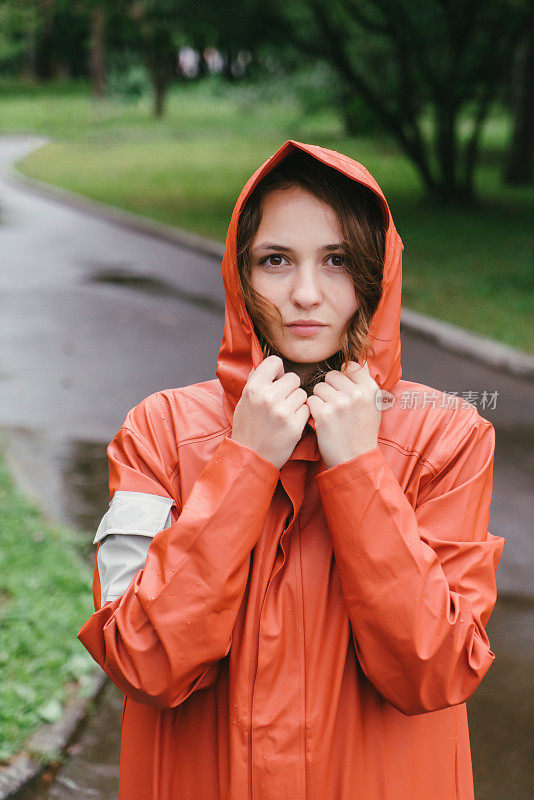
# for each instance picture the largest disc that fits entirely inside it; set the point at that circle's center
(302, 633)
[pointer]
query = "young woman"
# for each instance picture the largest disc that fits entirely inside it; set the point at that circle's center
(295, 572)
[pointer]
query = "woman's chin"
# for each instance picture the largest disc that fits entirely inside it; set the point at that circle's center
(310, 357)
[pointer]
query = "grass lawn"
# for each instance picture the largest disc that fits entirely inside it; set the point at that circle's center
(45, 597)
(473, 267)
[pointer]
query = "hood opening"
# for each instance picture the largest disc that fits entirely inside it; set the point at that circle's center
(241, 348)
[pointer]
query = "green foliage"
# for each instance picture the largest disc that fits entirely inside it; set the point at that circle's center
(360, 119)
(127, 79)
(45, 597)
(17, 23)
(400, 58)
(315, 87)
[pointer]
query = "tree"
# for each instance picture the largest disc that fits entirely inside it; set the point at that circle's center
(41, 39)
(18, 25)
(519, 167)
(162, 26)
(158, 23)
(97, 49)
(406, 56)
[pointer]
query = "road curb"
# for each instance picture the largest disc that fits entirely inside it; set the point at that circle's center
(127, 219)
(49, 741)
(458, 340)
(453, 338)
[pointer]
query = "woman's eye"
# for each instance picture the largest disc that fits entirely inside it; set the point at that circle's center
(340, 261)
(267, 260)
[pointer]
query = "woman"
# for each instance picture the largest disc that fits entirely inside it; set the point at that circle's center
(295, 572)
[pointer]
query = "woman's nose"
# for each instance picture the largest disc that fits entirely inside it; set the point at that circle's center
(306, 289)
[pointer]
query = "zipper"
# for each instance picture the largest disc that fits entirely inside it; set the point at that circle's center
(302, 665)
(256, 649)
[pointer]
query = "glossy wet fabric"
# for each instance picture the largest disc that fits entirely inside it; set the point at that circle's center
(302, 633)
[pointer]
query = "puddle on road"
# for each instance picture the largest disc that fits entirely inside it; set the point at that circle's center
(514, 444)
(85, 481)
(155, 287)
(501, 710)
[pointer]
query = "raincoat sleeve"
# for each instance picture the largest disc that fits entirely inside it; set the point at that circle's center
(162, 638)
(418, 582)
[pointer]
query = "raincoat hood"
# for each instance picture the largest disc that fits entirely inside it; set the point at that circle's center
(241, 350)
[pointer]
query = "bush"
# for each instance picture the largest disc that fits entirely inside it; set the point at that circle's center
(128, 79)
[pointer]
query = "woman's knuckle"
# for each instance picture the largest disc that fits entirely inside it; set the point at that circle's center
(251, 392)
(279, 413)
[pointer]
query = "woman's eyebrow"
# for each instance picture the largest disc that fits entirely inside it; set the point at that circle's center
(271, 246)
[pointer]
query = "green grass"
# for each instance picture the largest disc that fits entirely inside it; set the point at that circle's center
(473, 266)
(45, 597)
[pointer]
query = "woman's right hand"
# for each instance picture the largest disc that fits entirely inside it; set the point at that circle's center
(272, 412)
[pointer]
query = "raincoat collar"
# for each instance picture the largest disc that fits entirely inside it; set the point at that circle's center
(241, 350)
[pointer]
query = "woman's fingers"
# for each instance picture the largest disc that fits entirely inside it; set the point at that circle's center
(295, 399)
(285, 385)
(269, 369)
(324, 391)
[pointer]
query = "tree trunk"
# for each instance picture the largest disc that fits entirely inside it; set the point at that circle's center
(470, 154)
(446, 152)
(28, 69)
(160, 61)
(97, 52)
(227, 70)
(520, 160)
(202, 64)
(160, 92)
(43, 58)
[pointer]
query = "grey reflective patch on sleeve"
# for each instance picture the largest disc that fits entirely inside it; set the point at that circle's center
(125, 533)
(134, 512)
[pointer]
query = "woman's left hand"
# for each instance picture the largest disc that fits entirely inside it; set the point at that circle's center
(346, 410)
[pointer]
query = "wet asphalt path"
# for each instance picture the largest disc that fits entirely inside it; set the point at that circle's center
(94, 317)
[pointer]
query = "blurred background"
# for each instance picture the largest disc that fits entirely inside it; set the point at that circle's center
(127, 131)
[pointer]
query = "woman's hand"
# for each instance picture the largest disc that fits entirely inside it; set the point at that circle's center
(272, 412)
(346, 410)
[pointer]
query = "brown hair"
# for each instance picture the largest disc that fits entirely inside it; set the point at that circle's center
(362, 220)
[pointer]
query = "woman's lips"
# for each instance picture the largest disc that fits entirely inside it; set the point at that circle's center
(306, 330)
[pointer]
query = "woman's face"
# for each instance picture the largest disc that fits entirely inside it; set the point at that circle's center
(297, 264)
